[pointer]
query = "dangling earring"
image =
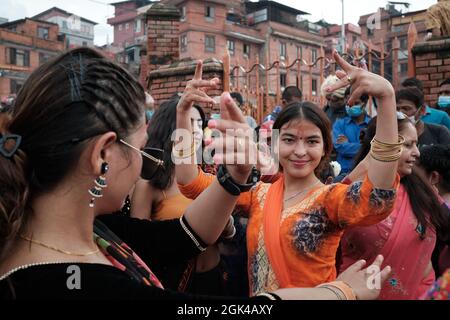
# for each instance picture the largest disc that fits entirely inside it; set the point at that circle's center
(100, 183)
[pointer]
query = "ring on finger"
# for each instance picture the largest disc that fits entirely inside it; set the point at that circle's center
(349, 79)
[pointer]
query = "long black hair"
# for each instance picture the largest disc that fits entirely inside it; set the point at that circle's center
(422, 197)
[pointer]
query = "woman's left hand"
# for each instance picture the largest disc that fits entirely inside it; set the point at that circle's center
(366, 283)
(195, 90)
(361, 81)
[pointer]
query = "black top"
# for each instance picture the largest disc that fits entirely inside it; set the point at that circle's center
(434, 134)
(158, 243)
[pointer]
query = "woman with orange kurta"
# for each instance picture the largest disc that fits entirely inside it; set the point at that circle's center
(296, 223)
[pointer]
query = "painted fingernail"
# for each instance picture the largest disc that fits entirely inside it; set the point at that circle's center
(212, 124)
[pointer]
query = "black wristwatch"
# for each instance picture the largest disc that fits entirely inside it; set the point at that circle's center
(234, 188)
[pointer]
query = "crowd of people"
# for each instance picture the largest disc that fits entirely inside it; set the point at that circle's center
(148, 205)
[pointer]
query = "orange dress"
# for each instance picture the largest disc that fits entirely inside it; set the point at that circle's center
(310, 231)
(171, 207)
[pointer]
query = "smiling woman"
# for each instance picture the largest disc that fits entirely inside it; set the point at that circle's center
(408, 236)
(295, 224)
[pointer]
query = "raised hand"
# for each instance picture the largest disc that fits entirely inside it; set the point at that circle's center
(195, 90)
(235, 146)
(361, 81)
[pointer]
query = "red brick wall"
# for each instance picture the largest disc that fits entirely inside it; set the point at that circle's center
(432, 66)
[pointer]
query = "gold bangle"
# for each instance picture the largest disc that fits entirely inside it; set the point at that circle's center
(401, 141)
(338, 293)
(346, 290)
(181, 153)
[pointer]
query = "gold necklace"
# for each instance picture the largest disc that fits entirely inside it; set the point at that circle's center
(60, 250)
(301, 192)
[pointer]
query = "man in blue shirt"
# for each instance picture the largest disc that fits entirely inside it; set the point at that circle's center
(346, 134)
(431, 115)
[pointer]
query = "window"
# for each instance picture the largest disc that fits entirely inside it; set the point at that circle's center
(18, 57)
(127, 26)
(64, 25)
(43, 33)
(354, 39)
(183, 13)
(313, 55)
(43, 58)
(15, 86)
(283, 81)
(210, 44)
(370, 31)
(282, 51)
(403, 68)
(314, 87)
(84, 43)
(183, 43)
(299, 53)
(209, 12)
(246, 50)
(403, 43)
(120, 27)
(130, 56)
(137, 26)
(230, 45)
(299, 85)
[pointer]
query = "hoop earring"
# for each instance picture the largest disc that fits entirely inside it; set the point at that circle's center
(100, 184)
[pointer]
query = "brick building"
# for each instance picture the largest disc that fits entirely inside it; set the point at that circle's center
(264, 31)
(332, 35)
(129, 22)
(24, 45)
(387, 24)
(77, 30)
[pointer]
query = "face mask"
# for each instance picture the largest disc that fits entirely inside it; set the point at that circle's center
(413, 118)
(149, 114)
(354, 111)
(444, 102)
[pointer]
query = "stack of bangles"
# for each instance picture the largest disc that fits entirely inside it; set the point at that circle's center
(386, 152)
(184, 153)
(342, 290)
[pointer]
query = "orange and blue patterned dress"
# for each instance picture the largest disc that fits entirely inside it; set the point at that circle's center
(310, 231)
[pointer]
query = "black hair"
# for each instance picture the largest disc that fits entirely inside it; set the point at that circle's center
(291, 92)
(446, 81)
(422, 197)
(238, 97)
(437, 158)
(364, 98)
(309, 111)
(412, 94)
(160, 130)
(64, 103)
(413, 82)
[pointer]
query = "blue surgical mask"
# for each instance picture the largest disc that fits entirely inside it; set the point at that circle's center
(149, 114)
(354, 111)
(444, 102)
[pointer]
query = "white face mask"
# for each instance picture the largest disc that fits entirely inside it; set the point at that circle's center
(413, 119)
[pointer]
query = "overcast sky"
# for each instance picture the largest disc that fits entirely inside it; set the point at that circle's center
(99, 10)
